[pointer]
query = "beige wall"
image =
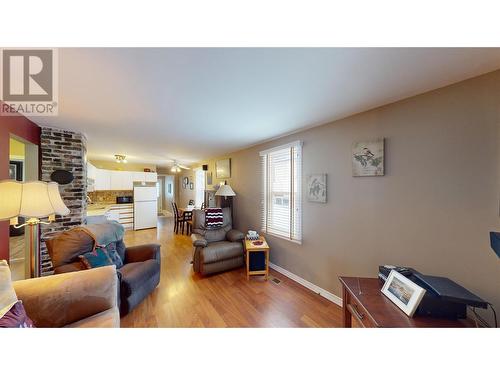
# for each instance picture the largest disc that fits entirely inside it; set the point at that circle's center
(184, 195)
(432, 210)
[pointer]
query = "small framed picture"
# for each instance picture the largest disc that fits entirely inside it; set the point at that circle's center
(185, 180)
(191, 186)
(403, 292)
(368, 158)
(316, 188)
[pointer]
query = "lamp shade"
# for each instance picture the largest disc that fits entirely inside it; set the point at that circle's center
(56, 200)
(35, 199)
(225, 191)
(10, 199)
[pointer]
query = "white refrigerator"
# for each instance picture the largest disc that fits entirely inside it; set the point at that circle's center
(145, 205)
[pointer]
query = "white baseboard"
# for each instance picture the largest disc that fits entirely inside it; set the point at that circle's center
(316, 289)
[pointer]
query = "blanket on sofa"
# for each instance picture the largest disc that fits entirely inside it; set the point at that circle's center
(104, 234)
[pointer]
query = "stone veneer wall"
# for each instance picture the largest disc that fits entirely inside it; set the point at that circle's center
(66, 150)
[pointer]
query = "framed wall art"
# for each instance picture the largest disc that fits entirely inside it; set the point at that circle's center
(223, 168)
(316, 188)
(368, 158)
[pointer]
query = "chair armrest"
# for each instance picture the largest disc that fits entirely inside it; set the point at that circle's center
(60, 300)
(142, 253)
(235, 235)
(199, 240)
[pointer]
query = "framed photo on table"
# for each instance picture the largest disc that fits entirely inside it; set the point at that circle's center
(403, 292)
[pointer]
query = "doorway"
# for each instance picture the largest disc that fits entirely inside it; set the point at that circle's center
(169, 194)
(23, 166)
(199, 197)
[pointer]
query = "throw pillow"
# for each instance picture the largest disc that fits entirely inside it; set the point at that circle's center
(16, 317)
(8, 295)
(97, 258)
(113, 254)
(214, 218)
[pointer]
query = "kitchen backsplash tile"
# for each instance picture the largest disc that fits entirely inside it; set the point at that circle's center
(108, 195)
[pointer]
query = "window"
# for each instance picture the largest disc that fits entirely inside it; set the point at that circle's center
(281, 199)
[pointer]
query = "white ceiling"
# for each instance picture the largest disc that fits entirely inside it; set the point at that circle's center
(156, 104)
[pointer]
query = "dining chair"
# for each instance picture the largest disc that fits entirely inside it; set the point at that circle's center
(181, 219)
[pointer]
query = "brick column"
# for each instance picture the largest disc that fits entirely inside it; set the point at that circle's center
(66, 150)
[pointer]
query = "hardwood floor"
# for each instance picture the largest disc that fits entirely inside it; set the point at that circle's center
(184, 299)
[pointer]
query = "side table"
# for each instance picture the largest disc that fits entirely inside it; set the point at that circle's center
(257, 258)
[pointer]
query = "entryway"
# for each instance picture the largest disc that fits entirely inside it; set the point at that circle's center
(23, 166)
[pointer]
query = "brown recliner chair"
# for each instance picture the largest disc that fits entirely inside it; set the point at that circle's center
(80, 299)
(216, 250)
(138, 277)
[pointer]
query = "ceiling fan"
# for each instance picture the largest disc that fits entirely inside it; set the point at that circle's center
(176, 168)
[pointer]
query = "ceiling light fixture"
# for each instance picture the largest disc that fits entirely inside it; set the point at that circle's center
(176, 168)
(120, 158)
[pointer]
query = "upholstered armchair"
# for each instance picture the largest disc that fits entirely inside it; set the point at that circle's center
(79, 299)
(216, 250)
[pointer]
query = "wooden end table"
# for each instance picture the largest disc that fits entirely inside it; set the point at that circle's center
(363, 300)
(260, 251)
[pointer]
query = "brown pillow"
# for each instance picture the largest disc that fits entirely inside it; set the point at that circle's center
(66, 247)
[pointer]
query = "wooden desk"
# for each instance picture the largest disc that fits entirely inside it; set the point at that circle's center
(251, 248)
(363, 300)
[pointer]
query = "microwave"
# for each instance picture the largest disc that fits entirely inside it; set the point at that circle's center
(124, 200)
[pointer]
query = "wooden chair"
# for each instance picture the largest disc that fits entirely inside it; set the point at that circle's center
(180, 220)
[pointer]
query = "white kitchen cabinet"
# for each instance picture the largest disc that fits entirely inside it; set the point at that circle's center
(139, 176)
(102, 179)
(151, 176)
(124, 214)
(129, 180)
(91, 171)
(118, 180)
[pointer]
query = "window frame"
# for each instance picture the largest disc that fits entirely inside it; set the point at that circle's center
(294, 198)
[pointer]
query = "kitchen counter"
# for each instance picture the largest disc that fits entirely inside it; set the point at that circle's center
(103, 211)
(99, 209)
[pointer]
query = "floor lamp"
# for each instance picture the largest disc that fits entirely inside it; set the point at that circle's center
(226, 191)
(33, 200)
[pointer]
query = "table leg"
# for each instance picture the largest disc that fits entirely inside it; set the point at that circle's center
(267, 264)
(248, 265)
(346, 314)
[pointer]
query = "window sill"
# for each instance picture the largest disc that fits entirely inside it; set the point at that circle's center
(283, 238)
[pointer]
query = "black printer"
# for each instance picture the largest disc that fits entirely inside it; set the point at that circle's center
(443, 298)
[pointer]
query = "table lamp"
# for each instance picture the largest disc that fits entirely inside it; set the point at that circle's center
(33, 200)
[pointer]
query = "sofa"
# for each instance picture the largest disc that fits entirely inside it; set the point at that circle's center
(138, 277)
(216, 249)
(86, 299)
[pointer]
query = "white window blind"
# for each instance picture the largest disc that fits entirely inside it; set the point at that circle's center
(281, 199)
